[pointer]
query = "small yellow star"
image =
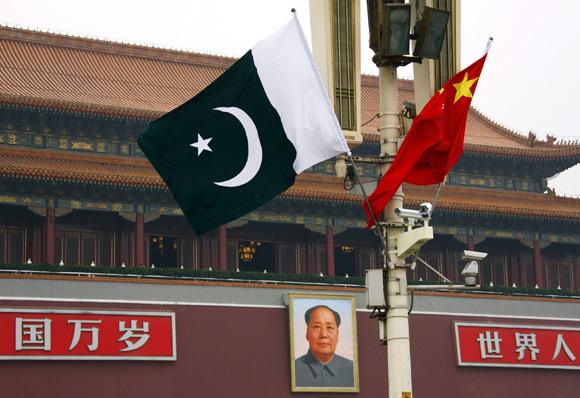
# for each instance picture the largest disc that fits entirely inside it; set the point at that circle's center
(463, 88)
(441, 90)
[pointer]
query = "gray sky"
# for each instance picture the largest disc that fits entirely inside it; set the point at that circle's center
(530, 81)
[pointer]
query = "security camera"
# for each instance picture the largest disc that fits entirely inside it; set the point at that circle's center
(409, 214)
(471, 270)
(473, 255)
(470, 273)
(423, 213)
(425, 209)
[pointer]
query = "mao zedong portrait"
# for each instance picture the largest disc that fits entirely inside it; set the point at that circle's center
(320, 366)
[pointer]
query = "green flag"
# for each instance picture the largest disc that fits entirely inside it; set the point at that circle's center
(244, 138)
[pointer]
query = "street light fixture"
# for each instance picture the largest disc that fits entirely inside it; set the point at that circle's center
(395, 26)
(389, 29)
(430, 33)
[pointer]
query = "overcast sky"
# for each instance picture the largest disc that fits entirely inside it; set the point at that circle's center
(530, 81)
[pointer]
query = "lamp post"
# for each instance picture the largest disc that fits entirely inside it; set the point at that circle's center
(389, 26)
(396, 323)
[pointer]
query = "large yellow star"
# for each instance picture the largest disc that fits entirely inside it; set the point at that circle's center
(463, 88)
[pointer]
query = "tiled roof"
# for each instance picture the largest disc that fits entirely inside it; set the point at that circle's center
(452, 199)
(89, 75)
(485, 201)
(63, 166)
(64, 72)
(109, 170)
(53, 165)
(481, 134)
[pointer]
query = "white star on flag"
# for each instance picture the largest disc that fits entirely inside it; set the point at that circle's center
(202, 144)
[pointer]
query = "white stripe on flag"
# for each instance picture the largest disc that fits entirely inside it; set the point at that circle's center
(294, 88)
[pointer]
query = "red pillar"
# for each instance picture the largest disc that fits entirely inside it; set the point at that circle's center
(125, 248)
(223, 247)
(576, 267)
(515, 270)
(538, 264)
(471, 242)
(206, 251)
(197, 264)
(311, 258)
(577, 272)
(330, 271)
(117, 256)
(29, 239)
(449, 260)
(303, 253)
(139, 240)
(36, 244)
(49, 234)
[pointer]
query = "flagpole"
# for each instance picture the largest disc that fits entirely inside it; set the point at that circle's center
(441, 184)
(488, 45)
(362, 188)
(368, 203)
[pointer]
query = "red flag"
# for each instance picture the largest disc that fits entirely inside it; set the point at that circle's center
(434, 142)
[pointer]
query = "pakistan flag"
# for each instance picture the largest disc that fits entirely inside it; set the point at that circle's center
(242, 140)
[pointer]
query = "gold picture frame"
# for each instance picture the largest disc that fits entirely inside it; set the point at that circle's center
(323, 351)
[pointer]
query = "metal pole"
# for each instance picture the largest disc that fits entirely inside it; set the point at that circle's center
(397, 320)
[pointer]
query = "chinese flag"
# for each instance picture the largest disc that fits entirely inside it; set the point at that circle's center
(434, 142)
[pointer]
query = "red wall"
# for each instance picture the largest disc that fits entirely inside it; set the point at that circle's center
(435, 374)
(244, 352)
(221, 352)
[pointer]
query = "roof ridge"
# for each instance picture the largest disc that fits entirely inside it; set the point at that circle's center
(373, 81)
(83, 107)
(492, 191)
(111, 46)
(534, 150)
(44, 153)
(529, 150)
(531, 140)
(501, 128)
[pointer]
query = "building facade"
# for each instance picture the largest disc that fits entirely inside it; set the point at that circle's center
(76, 188)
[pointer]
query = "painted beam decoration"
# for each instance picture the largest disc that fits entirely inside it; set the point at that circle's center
(517, 345)
(48, 334)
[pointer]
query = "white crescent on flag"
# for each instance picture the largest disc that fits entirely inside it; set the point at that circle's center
(254, 160)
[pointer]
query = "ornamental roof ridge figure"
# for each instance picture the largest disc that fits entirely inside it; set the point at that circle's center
(321, 366)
